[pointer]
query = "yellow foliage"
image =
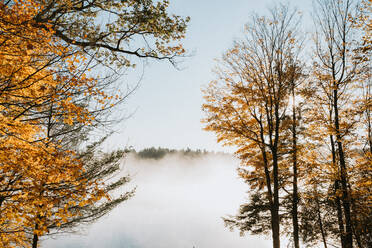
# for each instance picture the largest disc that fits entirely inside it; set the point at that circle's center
(36, 175)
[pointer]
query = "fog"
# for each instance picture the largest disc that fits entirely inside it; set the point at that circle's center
(178, 203)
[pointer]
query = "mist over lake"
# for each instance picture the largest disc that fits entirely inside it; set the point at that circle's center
(178, 203)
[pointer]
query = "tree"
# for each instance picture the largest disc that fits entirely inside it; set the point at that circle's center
(362, 214)
(139, 28)
(103, 167)
(36, 175)
(47, 96)
(253, 217)
(246, 106)
(336, 76)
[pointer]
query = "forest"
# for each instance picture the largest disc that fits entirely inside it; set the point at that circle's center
(302, 129)
(295, 107)
(159, 153)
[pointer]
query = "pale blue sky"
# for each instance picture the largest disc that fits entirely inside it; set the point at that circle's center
(168, 102)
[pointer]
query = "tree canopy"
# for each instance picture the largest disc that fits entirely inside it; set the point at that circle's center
(301, 125)
(51, 177)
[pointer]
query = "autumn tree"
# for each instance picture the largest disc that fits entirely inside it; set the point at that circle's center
(98, 166)
(334, 119)
(321, 146)
(133, 30)
(247, 105)
(36, 174)
(126, 29)
(363, 226)
(47, 98)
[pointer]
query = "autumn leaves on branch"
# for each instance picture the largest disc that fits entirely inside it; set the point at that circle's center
(302, 128)
(49, 98)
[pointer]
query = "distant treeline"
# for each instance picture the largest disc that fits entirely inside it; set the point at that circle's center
(159, 153)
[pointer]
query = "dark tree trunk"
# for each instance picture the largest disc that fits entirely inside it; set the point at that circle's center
(339, 215)
(345, 194)
(340, 220)
(35, 239)
(275, 227)
(322, 231)
(273, 209)
(275, 221)
(295, 198)
(321, 227)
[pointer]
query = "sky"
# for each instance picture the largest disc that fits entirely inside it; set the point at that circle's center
(165, 110)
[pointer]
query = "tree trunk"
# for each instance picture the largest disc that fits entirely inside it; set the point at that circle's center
(340, 220)
(322, 231)
(275, 208)
(275, 227)
(345, 195)
(294, 164)
(339, 215)
(35, 239)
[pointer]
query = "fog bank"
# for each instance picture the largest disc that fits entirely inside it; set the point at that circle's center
(178, 203)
